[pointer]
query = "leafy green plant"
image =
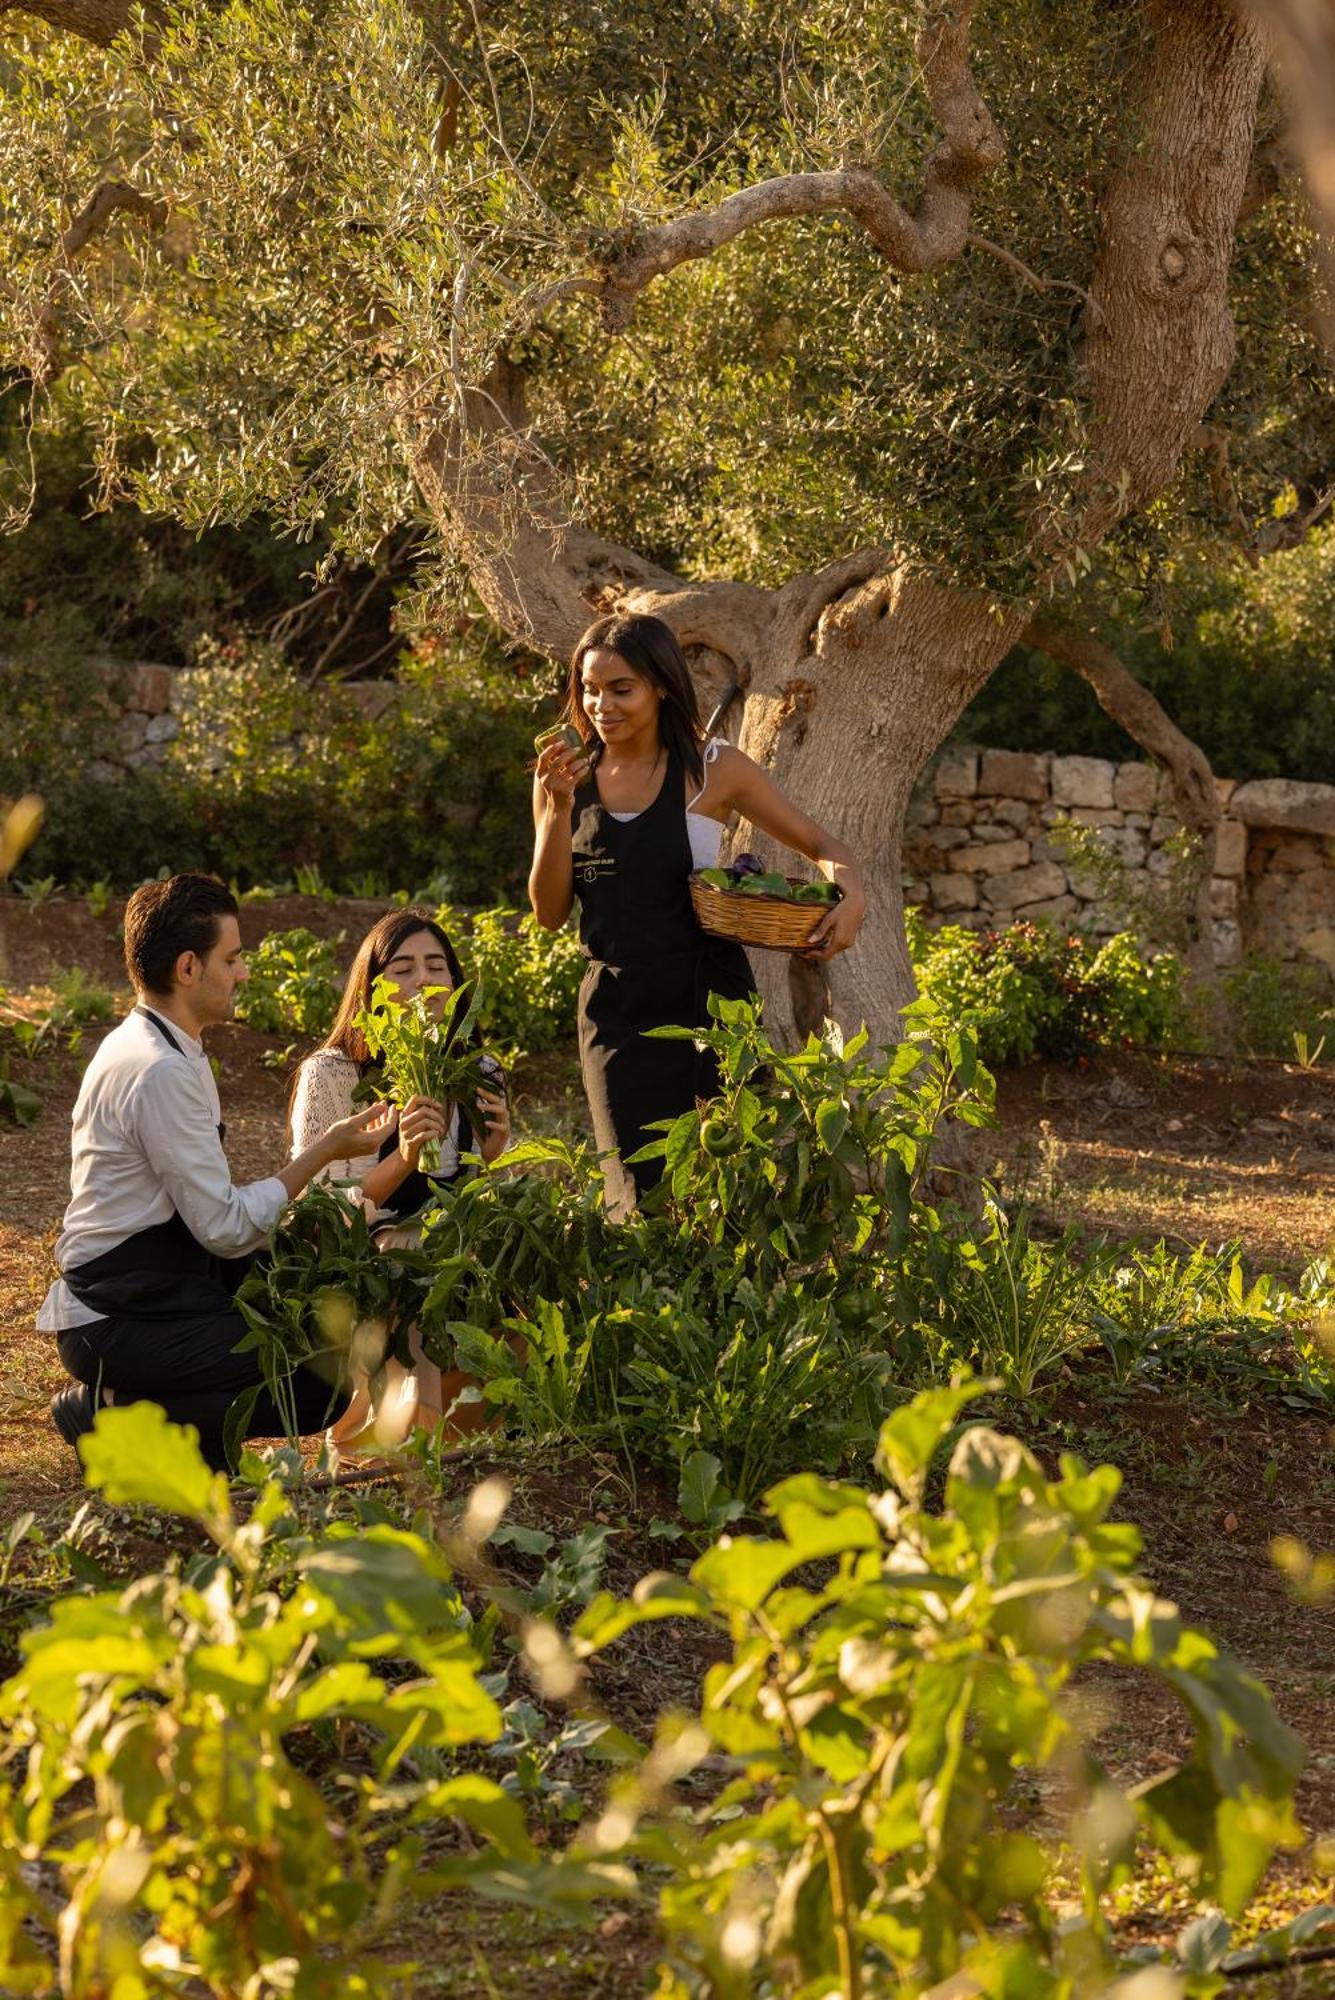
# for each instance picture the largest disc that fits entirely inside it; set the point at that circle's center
(531, 976)
(1159, 1315)
(295, 984)
(327, 1298)
(419, 1051)
(894, 1686)
(996, 1299)
(1271, 1000)
(156, 1740)
(1030, 990)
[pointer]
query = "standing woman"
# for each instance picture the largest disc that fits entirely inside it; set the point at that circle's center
(621, 823)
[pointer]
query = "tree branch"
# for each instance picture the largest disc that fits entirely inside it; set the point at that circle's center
(1132, 706)
(111, 198)
(934, 233)
(98, 21)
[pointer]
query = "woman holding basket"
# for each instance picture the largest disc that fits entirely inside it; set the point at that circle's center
(621, 821)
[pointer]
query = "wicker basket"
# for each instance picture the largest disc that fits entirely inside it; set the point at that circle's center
(767, 921)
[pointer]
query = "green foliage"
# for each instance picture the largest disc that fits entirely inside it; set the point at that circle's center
(1237, 652)
(294, 985)
(531, 976)
(1031, 990)
(272, 773)
(157, 1741)
(421, 1051)
(1272, 1000)
(894, 1687)
(326, 1298)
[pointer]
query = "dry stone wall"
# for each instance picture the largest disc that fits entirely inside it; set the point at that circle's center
(979, 849)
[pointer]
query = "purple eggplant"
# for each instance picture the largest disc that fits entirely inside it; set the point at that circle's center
(746, 864)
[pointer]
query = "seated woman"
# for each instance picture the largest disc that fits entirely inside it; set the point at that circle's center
(410, 948)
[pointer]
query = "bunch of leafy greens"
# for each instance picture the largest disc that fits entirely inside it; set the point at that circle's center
(422, 1053)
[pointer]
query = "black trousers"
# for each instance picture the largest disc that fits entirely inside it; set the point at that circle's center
(188, 1366)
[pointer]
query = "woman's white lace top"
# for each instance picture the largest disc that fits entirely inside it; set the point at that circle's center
(325, 1083)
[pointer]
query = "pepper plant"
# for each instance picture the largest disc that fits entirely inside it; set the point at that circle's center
(896, 1699)
(161, 1742)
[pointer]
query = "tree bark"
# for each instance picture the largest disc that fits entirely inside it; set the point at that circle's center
(845, 707)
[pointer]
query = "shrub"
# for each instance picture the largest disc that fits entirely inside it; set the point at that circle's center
(1030, 990)
(530, 976)
(892, 1696)
(295, 984)
(1271, 1000)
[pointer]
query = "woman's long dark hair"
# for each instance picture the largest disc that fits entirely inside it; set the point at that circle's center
(650, 649)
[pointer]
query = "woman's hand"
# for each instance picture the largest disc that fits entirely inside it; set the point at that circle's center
(561, 771)
(421, 1119)
(839, 928)
(495, 1116)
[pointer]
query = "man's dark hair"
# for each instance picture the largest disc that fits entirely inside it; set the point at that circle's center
(164, 919)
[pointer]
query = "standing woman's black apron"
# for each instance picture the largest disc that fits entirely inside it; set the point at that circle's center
(650, 966)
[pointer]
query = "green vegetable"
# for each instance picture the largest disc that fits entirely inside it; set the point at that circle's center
(717, 878)
(422, 1056)
(720, 1137)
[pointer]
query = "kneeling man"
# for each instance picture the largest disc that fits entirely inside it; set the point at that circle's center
(156, 1238)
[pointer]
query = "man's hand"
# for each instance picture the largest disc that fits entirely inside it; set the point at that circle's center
(364, 1132)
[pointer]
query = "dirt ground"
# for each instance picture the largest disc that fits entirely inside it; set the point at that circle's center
(1131, 1146)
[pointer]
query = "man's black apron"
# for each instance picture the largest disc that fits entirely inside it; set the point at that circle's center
(158, 1273)
(650, 966)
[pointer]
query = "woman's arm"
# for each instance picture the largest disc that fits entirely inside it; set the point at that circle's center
(736, 784)
(551, 882)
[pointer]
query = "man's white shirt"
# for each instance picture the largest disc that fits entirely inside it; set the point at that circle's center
(145, 1144)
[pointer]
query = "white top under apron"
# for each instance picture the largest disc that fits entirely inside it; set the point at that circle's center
(705, 834)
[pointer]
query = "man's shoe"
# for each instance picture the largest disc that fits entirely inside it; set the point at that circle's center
(72, 1412)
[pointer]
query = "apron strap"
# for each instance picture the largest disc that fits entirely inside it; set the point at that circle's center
(172, 1042)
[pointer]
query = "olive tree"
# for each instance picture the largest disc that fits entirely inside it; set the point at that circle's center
(857, 346)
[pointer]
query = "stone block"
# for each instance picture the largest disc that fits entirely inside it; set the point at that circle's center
(1056, 910)
(1226, 939)
(947, 837)
(1013, 813)
(1230, 853)
(100, 772)
(1082, 781)
(954, 891)
(988, 829)
(957, 812)
(1136, 786)
(992, 857)
(1223, 897)
(161, 729)
(1284, 802)
(1224, 789)
(148, 688)
(1295, 857)
(1013, 774)
(131, 731)
(1162, 827)
(1036, 884)
(1320, 944)
(1098, 816)
(135, 760)
(956, 775)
